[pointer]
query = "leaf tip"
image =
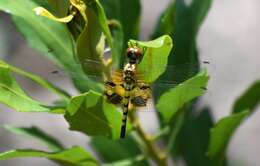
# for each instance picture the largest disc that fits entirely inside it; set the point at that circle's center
(38, 10)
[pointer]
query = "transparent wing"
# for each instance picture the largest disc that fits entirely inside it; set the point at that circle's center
(182, 97)
(88, 66)
(173, 75)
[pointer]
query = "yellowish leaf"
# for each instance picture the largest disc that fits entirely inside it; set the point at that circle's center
(81, 6)
(43, 12)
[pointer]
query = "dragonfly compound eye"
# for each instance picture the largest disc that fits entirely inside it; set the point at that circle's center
(133, 54)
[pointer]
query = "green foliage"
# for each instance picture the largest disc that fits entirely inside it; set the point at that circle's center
(36, 133)
(155, 57)
(221, 133)
(52, 39)
(60, 7)
(74, 32)
(75, 156)
(180, 95)
(128, 157)
(182, 20)
(123, 20)
(104, 26)
(13, 96)
(91, 49)
(192, 141)
(127, 13)
(92, 110)
(249, 100)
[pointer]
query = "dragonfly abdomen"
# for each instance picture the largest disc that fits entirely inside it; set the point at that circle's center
(125, 112)
(129, 83)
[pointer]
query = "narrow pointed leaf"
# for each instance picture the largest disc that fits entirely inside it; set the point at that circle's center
(75, 156)
(43, 12)
(90, 44)
(193, 138)
(12, 95)
(225, 128)
(185, 18)
(181, 94)
(182, 20)
(45, 84)
(165, 24)
(118, 39)
(81, 6)
(99, 10)
(249, 99)
(221, 134)
(127, 13)
(37, 134)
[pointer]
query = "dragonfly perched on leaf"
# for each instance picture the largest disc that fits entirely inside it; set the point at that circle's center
(131, 87)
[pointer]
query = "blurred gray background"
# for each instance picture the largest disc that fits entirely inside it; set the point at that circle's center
(229, 39)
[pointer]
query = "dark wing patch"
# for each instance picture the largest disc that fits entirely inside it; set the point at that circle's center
(145, 87)
(114, 98)
(138, 101)
(141, 94)
(110, 83)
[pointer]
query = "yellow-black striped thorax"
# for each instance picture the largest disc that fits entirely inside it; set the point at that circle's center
(129, 74)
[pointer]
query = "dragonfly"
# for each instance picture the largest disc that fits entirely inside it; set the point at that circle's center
(127, 88)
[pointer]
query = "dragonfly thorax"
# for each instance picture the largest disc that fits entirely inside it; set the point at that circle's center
(129, 74)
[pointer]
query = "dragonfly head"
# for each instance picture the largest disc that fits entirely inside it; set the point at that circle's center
(134, 54)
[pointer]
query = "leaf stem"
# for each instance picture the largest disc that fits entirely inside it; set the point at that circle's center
(158, 156)
(176, 126)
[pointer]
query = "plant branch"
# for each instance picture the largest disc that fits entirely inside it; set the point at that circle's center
(158, 156)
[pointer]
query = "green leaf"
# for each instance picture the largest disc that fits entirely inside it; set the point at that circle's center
(81, 7)
(44, 12)
(185, 21)
(49, 37)
(128, 162)
(249, 99)
(221, 133)
(75, 156)
(193, 138)
(188, 21)
(182, 94)
(118, 36)
(12, 95)
(155, 57)
(165, 24)
(91, 114)
(97, 7)
(36, 133)
(128, 14)
(224, 129)
(60, 7)
(90, 44)
(124, 149)
(45, 84)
